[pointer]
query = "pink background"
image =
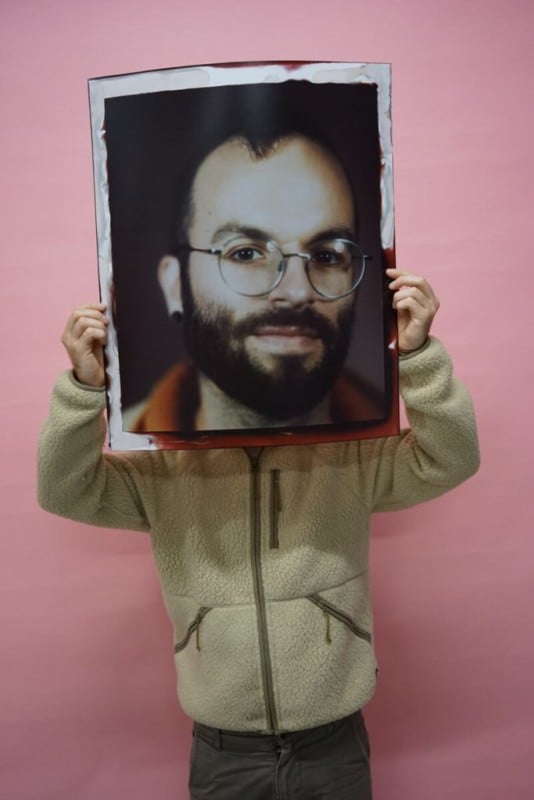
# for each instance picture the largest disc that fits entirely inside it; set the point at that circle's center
(86, 674)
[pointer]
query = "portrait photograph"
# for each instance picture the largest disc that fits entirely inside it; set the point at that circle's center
(244, 225)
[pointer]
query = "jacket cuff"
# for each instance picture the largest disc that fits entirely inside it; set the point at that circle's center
(412, 353)
(425, 364)
(84, 386)
(76, 395)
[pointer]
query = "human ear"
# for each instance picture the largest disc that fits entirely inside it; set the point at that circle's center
(170, 284)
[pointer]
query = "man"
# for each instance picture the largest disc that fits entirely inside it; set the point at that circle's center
(265, 278)
(263, 554)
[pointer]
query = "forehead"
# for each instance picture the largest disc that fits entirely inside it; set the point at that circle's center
(292, 194)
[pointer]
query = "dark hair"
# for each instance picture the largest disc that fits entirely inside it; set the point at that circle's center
(260, 116)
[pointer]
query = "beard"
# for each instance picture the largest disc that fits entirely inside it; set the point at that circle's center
(216, 343)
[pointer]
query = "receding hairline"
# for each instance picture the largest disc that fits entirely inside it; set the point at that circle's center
(262, 150)
(265, 148)
(268, 146)
(259, 148)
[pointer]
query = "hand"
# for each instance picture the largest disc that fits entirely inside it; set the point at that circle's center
(416, 306)
(84, 338)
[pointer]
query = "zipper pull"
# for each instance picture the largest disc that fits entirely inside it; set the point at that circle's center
(327, 618)
(276, 508)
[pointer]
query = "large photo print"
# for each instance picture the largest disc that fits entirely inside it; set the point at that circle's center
(244, 223)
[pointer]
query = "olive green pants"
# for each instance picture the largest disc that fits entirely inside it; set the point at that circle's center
(330, 762)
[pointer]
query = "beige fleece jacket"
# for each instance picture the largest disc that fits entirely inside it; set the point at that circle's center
(264, 566)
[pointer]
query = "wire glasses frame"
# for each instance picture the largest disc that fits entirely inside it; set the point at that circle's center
(334, 267)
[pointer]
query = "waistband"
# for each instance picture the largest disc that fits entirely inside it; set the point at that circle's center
(245, 742)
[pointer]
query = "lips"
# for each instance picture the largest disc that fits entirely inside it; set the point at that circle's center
(286, 340)
(287, 326)
(287, 331)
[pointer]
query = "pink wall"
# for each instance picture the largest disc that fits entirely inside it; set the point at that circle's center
(88, 706)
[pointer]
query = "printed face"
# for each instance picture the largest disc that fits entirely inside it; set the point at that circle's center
(280, 352)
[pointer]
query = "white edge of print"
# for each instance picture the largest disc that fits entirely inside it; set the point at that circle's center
(194, 78)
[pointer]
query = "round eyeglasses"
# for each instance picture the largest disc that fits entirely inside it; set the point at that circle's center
(334, 267)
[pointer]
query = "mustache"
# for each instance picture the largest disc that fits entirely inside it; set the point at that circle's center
(306, 318)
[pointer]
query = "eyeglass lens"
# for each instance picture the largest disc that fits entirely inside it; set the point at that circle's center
(334, 266)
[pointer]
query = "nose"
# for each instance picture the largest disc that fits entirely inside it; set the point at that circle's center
(294, 289)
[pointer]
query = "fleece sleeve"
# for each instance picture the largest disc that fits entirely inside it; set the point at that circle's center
(75, 478)
(438, 451)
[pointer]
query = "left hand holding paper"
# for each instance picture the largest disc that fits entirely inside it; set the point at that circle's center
(416, 306)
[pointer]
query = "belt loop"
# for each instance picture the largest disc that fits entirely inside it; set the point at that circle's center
(218, 740)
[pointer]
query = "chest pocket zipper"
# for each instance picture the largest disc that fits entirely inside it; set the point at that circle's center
(194, 628)
(276, 508)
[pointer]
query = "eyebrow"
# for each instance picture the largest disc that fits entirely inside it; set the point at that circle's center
(340, 232)
(244, 230)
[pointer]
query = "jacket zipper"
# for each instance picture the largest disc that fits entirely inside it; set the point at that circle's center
(259, 592)
(333, 611)
(194, 626)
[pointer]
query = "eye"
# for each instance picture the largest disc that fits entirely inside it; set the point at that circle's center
(246, 253)
(328, 257)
